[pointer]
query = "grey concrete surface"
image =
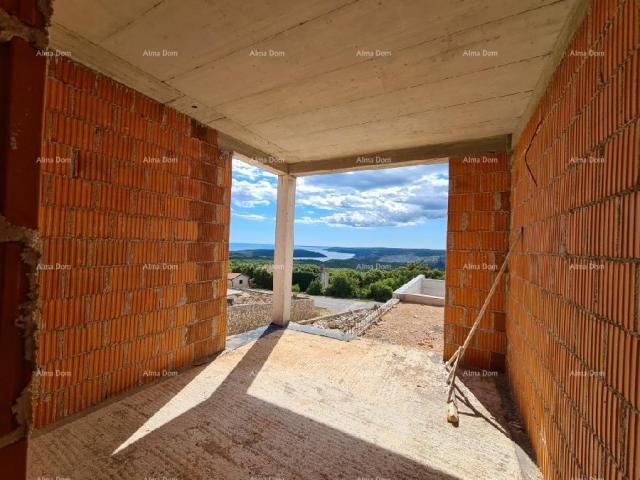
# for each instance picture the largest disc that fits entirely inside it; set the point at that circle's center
(290, 405)
(310, 81)
(427, 291)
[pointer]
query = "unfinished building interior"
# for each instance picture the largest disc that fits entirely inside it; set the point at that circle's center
(119, 121)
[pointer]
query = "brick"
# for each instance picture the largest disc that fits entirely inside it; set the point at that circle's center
(86, 281)
(125, 278)
(142, 238)
(107, 306)
(113, 198)
(65, 251)
(53, 221)
(70, 193)
(108, 252)
(630, 225)
(142, 301)
(92, 223)
(579, 213)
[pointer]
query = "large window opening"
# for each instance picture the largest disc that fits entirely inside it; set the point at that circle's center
(361, 240)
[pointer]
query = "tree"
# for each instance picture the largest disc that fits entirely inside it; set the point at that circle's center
(380, 291)
(314, 288)
(295, 288)
(342, 285)
(303, 278)
(372, 276)
(263, 279)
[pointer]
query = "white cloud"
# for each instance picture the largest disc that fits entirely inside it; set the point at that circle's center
(252, 186)
(243, 169)
(394, 197)
(375, 198)
(250, 216)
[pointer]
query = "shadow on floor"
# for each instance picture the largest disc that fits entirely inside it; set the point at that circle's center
(504, 415)
(245, 437)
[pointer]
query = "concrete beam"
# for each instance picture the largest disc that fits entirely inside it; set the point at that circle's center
(401, 157)
(283, 254)
(252, 155)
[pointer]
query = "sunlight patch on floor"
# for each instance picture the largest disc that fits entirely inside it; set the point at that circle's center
(197, 391)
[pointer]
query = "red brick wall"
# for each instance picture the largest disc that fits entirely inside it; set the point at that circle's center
(135, 209)
(572, 313)
(477, 234)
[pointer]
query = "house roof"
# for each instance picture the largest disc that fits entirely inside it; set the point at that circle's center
(232, 275)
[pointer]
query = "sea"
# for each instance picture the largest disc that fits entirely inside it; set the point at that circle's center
(328, 254)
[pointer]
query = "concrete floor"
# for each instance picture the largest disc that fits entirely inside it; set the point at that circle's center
(293, 405)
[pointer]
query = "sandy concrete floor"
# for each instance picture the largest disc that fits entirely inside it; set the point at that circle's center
(293, 405)
(411, 324)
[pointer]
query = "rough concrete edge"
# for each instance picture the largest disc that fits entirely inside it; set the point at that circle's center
(46, 9)
(321, 332)
(28, 320)
(403, 288)
(331, 315)
(11, 26)
(240, 339)
(376, 315)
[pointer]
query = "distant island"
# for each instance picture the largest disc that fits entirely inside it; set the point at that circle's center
(268, 253)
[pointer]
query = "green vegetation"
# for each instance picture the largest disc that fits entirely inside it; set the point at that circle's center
(374, 283)
(314, 288)
(380, 291)
(341, 285)
(379, 257)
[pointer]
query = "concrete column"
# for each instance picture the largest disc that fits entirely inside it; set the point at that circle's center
(22, 78)
(283, 254)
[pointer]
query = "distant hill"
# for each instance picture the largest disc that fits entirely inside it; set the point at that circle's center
(388, 256)
(268, 253)
(364, 258)
(413, 254)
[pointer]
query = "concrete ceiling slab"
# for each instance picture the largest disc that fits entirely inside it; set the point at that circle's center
(311, 80)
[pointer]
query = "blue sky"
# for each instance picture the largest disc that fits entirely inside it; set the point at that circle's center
(397, 207)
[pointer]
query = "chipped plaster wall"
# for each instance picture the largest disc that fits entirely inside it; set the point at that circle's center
(27, 320)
